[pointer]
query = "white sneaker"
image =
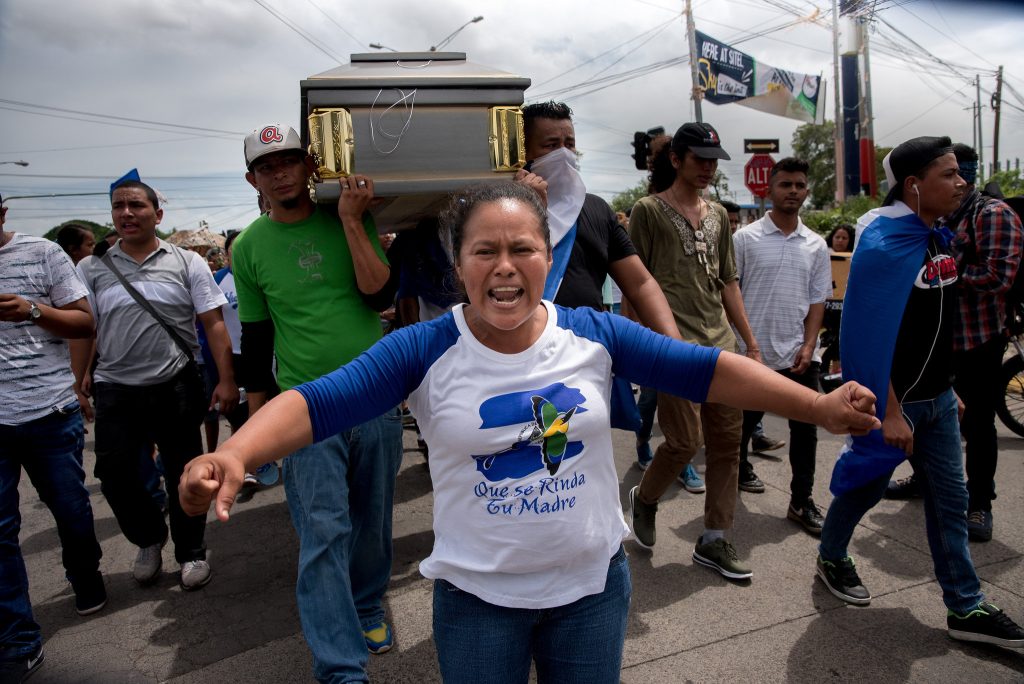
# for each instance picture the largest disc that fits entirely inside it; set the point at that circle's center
(195, 574)
(148, 563)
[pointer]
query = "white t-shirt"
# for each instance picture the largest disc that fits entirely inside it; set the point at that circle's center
(226, 280)
(526, 495)
(35, 367)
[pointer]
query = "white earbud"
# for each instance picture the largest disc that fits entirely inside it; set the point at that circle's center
(916, 191)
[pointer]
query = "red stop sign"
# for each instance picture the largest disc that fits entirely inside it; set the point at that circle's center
(755, 174)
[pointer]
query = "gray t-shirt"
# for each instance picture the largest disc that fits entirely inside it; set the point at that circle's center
(133, 348)
(35, 368)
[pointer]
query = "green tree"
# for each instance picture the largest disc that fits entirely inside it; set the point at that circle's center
(625, 200)
(814, 144)
(98, 230)
(1010, 182)
(720, 185)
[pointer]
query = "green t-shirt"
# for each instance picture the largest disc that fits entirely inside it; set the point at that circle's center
(668, 247)
(300, 275)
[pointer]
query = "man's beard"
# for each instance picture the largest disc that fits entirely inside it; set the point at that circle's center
(291, 202)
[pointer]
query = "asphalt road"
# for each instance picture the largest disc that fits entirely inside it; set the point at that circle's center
(686, 623)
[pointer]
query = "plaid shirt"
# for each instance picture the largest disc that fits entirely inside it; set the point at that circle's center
(986, 278)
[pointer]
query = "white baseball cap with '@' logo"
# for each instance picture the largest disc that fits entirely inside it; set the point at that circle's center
(271, 138)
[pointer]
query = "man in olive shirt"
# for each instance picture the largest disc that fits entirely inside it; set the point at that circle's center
(686, 244)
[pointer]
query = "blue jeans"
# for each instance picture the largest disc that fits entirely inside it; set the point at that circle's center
(938, 461)
(340, 492)
(480, 642)
(50, 449)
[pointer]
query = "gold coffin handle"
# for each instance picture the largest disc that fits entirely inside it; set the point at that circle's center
(331, 142)
(507, 138)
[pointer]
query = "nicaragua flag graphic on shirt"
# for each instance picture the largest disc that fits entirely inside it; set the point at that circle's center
(544, 439)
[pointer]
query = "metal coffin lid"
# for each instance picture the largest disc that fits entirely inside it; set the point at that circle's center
(420, 126)
(416, 70)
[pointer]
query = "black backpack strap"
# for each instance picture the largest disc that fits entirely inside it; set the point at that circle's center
(141, 301)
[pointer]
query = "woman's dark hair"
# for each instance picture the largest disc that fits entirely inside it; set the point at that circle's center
(71, 236)
(230, 239)
(464, 202)
(663, 174)
(850, 230)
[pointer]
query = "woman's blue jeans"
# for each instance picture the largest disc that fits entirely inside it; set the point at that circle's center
(340, 493)
(480, 642)
(938, 462)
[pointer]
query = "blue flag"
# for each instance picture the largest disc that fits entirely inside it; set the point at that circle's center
(891, 249)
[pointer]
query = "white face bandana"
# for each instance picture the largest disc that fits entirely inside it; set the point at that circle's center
(566, 190)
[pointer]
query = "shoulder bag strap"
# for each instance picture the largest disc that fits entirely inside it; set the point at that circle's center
(137, 296)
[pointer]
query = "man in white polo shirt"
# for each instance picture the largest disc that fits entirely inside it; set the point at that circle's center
(785, 277)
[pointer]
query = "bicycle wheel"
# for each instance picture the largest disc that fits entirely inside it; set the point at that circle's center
(1011, 407)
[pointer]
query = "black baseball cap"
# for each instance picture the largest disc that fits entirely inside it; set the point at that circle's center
(908, 158)
(701, 139)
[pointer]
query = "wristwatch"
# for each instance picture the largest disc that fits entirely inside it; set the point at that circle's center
(34, 312)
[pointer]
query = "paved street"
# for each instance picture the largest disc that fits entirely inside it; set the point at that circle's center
(686, 622)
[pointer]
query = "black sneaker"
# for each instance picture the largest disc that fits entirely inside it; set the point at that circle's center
(762, 443)
(808, 516)
(643, 517)
(749, 481)
(842, 580)
(979, 526)
(985, 624)
(904, 488)
(20, 670)
(90, 594)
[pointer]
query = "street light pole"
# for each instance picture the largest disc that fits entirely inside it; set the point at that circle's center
(450, 36)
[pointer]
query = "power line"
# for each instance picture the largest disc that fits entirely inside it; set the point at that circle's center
(331, 19)
(305, 36)
(928, 109)
(598, 56)
(119, 118)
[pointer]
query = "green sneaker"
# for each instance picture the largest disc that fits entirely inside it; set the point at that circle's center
(720, 556)
(643, 516)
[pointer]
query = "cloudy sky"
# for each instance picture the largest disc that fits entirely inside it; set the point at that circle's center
(92, 89)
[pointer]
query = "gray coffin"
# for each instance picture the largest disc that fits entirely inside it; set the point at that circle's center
(421, 126)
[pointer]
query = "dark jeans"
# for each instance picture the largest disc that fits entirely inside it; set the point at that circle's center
(937, 461)
(50, 449)
(803, 440)
(976, 373)
(128, 420)
(647, 405)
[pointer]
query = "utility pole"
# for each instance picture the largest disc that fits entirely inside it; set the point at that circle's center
(997, 106)
(868, 177)
(981, 145)
(697, 93)
(838, 132)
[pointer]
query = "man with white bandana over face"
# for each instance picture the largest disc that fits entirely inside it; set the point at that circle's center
(600, 246)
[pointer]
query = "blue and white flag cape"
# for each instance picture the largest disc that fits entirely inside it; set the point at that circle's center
(892, 246)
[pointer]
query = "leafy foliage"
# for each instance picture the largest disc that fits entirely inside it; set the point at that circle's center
(814, 144)
(823, 221)
(625, 200)
(97, 229)
(1010, 182)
